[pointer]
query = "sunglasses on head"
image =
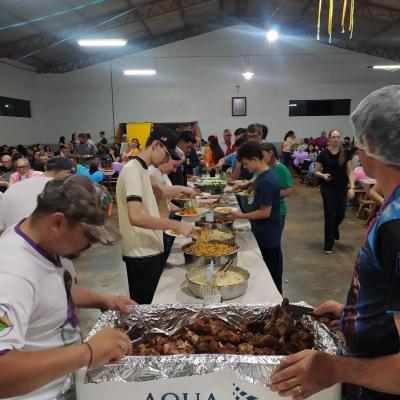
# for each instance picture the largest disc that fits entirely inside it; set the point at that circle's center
(166, 150)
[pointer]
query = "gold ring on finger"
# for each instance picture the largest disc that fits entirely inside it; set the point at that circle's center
(299, 389)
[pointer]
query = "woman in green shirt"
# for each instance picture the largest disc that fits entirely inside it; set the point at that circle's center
(282, 174)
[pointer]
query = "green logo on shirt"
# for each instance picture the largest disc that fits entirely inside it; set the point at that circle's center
(5, 321)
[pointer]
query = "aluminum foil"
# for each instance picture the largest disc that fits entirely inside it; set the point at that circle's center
(168, 319)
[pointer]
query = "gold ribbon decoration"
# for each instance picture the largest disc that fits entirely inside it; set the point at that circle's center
(351, 23)
(319, 18)
(347, 5)
(344, 13)
(330, 17)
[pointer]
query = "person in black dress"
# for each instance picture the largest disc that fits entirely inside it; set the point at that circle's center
(333, 167)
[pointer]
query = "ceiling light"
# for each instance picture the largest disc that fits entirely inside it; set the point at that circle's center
(393, 67)
(248, 75)
(140, 72)
(272, 35)
(102, 42)
(6, 106)
(293, 105)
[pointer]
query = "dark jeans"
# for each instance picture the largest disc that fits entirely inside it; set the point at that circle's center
(335, 201)
(286, 158)
(283, 219)
(168, 243)
(169, 240)
(143, 276)
(273, 260)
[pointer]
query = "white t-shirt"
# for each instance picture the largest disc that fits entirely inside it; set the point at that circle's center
(162, 180)
(20, 200)
(36, 307)
(134, 185)
(223, 145)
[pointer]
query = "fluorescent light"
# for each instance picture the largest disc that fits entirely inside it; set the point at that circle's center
(140, 72)
(248, 75)
(292, 105)
(272, 35)
(102, 42)
(393, 67)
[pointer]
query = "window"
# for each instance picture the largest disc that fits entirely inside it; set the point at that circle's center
(308, 108)
(10, 107)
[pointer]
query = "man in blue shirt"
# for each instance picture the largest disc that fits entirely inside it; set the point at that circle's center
(370, 318)
(265, 218)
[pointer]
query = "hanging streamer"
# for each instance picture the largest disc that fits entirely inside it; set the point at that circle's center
(351, 23)
(330, 17)
(346, 6)
(319, 18)
(344, 14)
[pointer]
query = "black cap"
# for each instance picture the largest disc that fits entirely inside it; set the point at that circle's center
(168, 138)
(59, 164)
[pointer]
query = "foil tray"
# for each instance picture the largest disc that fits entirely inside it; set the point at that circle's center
(169, 318)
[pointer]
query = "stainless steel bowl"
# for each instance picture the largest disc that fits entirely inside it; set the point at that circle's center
(231, 241)
(228, 292)
(204, 260)
(225, 225)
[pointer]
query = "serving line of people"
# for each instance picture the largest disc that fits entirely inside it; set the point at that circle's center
(40, 341)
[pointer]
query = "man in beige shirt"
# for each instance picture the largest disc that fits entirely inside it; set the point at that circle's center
(139, 218)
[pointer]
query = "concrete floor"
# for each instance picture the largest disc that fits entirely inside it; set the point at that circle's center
(309, 274)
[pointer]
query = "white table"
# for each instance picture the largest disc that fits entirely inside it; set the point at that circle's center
(172, 287)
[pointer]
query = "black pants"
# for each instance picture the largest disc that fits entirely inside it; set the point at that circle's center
(143, 276)
(286, 158)
(169, 240)
(273, 260)
(335, 201)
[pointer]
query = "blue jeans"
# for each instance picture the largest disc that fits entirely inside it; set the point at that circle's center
(280, 262)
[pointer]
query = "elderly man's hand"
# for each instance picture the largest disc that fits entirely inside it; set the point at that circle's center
(303, 374)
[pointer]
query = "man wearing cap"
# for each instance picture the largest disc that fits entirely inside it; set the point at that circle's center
(40, 340)
(21, 199)
(139, 219)
(370, 318)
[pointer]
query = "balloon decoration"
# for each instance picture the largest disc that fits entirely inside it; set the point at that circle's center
(81, 170)
(330, 18)
(299, 157)
(117, 167)
(359, 174)
(97, 176)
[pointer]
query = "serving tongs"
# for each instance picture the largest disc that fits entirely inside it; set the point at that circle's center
(300, 311)
(225, 267)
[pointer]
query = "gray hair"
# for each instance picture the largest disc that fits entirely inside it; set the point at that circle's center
(376, 124)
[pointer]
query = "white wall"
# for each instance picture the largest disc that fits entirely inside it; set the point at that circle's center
(19, 84)
(197, 78)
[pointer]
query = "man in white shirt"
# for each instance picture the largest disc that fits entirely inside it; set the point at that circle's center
(20, 199)
(165, 191)
(139, 219)
(226, 143)
(40, 340)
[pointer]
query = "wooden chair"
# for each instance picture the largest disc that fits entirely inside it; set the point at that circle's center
(373, 213)
(366, 207)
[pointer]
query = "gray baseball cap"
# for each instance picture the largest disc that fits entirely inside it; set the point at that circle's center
(81, 200)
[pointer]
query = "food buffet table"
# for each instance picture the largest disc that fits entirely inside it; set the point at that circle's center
(194, 376)
(172, 287)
